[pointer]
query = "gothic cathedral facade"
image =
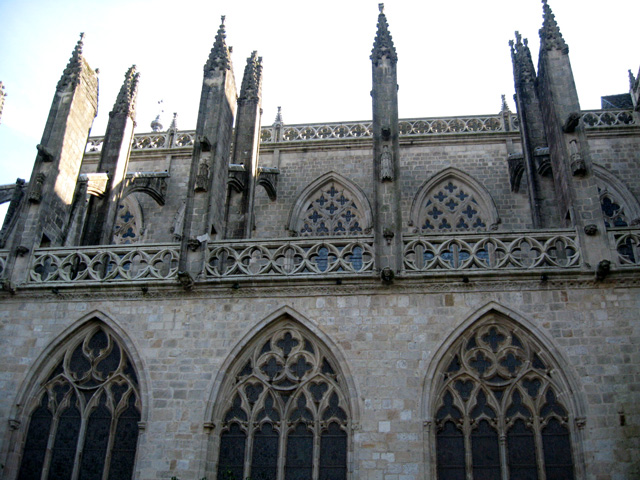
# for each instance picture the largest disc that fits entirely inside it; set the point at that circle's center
(399, 299)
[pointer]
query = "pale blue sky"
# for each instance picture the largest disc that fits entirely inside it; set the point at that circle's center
(453, 56)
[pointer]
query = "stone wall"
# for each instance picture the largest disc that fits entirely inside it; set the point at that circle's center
(387, 339)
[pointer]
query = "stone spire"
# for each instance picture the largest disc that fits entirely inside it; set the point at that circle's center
(279, 121)
(220, 57)
(126, 100)
(251, 81)
(523, 69)
(550, 36)
(383, 44)
(71, 74)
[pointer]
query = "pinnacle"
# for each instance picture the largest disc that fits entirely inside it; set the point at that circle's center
(383, 43)
(523, 68)
(219, 57)
(71, 74)
(550, 36)
(252, 79)
(126, 101)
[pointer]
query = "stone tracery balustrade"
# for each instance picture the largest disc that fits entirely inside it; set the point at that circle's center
(311, 256)
(494, 251)
(607, 118)
(627, 242)
(104, 264)
(341, 130)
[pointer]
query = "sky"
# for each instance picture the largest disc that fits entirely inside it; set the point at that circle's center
(453, 56)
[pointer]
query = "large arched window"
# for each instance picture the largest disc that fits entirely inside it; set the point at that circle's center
(129, 222)
(452, 201)
(330, 206)
(499, 410)
(285, 414)
(619, 207)
(83, 422)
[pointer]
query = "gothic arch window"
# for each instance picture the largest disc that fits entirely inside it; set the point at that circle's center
(500, 408)
(129, 223)
(332, 205)
(619, 206)
(452, 201)
(285, 413)
(83, 420)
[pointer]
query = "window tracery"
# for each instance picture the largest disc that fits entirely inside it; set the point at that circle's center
(128, 227)
(451, 202)
(331, 206)
(619, 206)
(88, 408)
(286, 415)
(498, 410)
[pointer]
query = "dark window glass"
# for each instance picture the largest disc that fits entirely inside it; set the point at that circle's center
(333, 453)
(299, 462)
(123, 453)
(36, 445)
(95, 443)
(450, 453)
(264, 463)
(485, 453)
(521, 450)
(232, 448)
(557, 451)
(64, 446)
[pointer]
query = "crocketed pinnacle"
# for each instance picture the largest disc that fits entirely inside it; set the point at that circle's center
(219, 57)
(126, 101)
(71, 74)
(279, 121)
(252, 79)
(383, 44)
(504, 108)
(523, 69)
(550, 36)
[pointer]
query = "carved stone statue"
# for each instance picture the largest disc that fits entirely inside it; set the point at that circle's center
(386, 165)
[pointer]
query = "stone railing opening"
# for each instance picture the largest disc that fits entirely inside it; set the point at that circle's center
(499, 251)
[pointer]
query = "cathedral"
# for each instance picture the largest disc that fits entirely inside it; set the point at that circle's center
(396, 299)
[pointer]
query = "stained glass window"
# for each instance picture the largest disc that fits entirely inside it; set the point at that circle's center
(286, 416)
(497, 383)
(451, 205)
(128, 227)
(88, 408)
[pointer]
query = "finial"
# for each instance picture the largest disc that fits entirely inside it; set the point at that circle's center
(174, 122)
(222, 17)
(219, 55)
(504, 108)
(278, 120)
(632, 80)
(383, 44)
(550, 36)
(251, 81)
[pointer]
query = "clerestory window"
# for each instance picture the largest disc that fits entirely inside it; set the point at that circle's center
(84, 420)
(499, 412)
(286, 415)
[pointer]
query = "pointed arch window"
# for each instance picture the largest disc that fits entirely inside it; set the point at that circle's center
(84, 419)
(619, 206)
(498, 383)
(331, 206)
(129, 226)
(286, 415)
(452, 201)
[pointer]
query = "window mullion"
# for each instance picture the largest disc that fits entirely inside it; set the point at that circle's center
(84, 420)
(49, 453)
(248, 451)
(316, 449)
(282, 447)
(468, 457)
(110, 442)
(537, 429)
